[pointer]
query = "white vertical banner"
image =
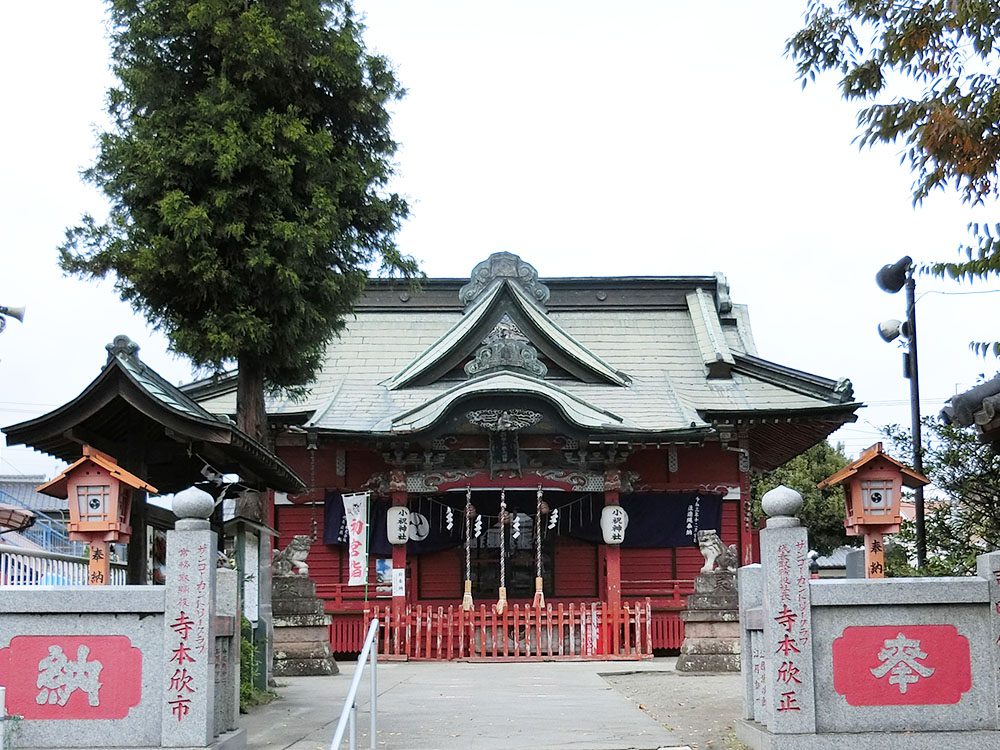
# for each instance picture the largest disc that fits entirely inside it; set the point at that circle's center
(356, 511)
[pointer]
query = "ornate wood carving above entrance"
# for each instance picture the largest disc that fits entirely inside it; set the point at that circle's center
(552, 479)
(502, 426)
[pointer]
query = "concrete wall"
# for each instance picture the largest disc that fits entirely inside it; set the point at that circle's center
(127, 666)
(896, 662)
(123, 628)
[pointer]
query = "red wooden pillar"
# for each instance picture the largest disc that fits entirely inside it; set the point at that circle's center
(612, 552)
(397, 487)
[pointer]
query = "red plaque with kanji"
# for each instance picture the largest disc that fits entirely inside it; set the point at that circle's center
(71, 677)
(902, 665)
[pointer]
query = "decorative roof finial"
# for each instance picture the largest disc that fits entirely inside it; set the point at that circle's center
(504, 266)
(122, 346)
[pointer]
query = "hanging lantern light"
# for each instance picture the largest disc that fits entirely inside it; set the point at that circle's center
(614, 521)
(397, 526)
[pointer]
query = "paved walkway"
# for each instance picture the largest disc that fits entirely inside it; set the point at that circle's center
(428, 705)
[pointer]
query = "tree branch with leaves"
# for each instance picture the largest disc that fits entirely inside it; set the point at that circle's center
(928, 71)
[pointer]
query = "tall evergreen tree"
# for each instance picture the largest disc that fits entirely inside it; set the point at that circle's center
(247, 171)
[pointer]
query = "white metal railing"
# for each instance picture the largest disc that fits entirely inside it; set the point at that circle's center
(349, 714)
(28, 567)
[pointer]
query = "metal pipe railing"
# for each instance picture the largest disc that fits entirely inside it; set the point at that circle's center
(349, 714)
(28, 567)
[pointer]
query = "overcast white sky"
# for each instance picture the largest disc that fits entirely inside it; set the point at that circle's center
(643, 138)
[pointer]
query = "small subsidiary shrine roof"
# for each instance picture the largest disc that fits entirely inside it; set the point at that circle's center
(637, 359)
(133, 414)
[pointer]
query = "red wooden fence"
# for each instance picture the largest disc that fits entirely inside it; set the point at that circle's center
(572, 632)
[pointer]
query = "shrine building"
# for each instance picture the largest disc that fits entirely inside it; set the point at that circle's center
(505, 412)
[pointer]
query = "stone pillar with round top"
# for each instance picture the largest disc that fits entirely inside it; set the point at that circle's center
(790, 705)
(188, 666)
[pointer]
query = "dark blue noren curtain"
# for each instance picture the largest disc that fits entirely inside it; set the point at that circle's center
(439, 537)
(656, 519)
(659, 519)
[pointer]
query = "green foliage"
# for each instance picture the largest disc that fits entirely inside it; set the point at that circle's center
(930, 76)
(10, 728)
(822, 511)
(962, 519)
(250, 696)
(247, 171)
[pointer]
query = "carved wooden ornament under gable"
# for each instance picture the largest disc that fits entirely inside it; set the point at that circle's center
(506, 347)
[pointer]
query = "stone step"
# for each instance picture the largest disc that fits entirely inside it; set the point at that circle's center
(304, 667)
(710, 646)
(710, 615)
(294, 634)
(303, 650)
(283, 607)
(729, 630)
(293, 587)
(729, 600)
(708, 663)
(294, 621)
(717, 581)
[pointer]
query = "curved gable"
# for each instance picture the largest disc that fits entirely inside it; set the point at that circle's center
(573, 409)
(513, 299)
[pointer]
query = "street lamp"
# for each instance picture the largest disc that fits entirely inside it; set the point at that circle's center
(891, 279)
(10, 312)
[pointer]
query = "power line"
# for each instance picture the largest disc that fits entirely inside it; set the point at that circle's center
(956, 294)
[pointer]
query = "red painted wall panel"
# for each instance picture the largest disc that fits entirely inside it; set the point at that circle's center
(708, 465)
(689, 562)
(647, 565)
(325, 565)
(441, 575)
(318, 469)
(651, 466)
(575, 568)
(730, 531)
(361, 465)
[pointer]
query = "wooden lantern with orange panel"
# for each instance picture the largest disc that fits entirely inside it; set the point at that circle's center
(100, 505)
(873, 493)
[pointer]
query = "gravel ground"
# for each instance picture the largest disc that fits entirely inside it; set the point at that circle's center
(701, 709)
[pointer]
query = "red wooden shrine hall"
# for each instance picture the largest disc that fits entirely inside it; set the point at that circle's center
(555, 446)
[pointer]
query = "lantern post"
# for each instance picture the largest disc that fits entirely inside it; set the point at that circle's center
(100, 505)
(872, 496)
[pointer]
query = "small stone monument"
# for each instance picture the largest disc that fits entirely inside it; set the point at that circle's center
(301, 627)
(711, 621)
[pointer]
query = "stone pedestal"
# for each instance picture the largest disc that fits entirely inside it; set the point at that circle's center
(711, 625)
(301, 629)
